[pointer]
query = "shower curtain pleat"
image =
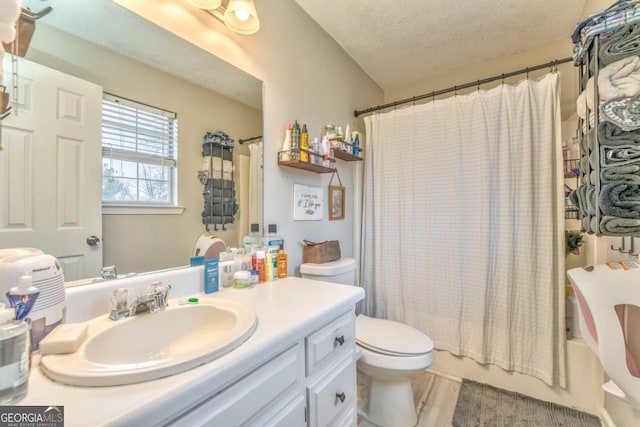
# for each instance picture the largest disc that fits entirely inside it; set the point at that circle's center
(463, 225)
(255, 183)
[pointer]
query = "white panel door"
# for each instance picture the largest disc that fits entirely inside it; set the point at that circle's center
(50, 168)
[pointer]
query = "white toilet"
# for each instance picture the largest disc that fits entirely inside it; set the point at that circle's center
(391, 354)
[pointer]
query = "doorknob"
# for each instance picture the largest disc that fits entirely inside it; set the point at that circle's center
(93, 240)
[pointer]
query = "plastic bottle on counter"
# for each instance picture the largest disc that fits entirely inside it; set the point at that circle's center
(268, 267)
(23, 296)
(251, 241)
(14, 356)
(260, 266)
(282, 264)
(272, 242)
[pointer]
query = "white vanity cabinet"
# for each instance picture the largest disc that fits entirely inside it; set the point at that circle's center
(331, 374)
(271, 395)
(312, 383)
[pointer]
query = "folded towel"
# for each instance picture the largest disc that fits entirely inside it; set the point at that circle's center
(620, 79)
(624, 112)
(586, 99)
(627, 173)
(620, 199)
(619, 155)
(620, 226)
(584, 199)
(624, 42)
(611, 135)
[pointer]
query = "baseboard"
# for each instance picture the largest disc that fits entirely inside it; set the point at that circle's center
(445, 375)
(606, 419)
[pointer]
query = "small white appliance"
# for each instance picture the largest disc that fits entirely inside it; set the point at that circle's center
(50, 308)
(391, 354)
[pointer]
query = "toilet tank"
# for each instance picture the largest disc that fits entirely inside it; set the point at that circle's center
(342, 271)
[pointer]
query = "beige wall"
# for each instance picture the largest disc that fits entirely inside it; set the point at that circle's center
(151, 242)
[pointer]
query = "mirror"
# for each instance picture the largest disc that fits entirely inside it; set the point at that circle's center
(101, 42)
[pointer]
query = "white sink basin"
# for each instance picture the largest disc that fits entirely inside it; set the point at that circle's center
(150, 346)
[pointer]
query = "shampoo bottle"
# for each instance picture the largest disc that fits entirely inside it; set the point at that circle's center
(23, 296)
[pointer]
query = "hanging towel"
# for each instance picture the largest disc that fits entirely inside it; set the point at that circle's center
(622, 43)
(619, 226)
(627, 173)
(620, 79)
(611, 135)
(624, 112)
(620, 199)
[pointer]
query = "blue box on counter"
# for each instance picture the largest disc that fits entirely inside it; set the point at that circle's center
(210, 275)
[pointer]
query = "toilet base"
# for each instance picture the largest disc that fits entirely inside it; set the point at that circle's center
(390, 404)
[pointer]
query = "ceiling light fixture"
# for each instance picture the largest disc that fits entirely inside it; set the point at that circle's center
(238, 15)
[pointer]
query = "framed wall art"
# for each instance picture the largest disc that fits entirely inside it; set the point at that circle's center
(336, 199)
(308, 203)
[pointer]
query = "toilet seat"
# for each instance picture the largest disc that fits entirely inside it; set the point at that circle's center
(391, 338)
(395, 363)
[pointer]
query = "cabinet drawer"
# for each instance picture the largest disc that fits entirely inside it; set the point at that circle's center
(235, 405)
(334, 393)
(330, 339)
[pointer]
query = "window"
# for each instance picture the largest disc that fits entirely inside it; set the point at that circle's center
(139, 153)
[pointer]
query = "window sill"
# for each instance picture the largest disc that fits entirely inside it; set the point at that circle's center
(141, 210)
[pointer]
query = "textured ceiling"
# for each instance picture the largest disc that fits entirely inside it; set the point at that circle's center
(398, 43)
(108, 25)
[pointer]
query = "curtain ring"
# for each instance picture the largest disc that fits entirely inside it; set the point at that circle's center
(455, 91)
(503, 78)
(478, 85)
(527, 71)
(414, 101)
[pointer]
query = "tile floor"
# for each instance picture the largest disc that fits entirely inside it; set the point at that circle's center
(435, 397)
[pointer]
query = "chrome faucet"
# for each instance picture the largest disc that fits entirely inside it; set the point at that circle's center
(154, 300)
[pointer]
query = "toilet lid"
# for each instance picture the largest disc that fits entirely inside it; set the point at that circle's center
(387, 336)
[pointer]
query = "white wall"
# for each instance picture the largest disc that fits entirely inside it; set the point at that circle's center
(307, 77)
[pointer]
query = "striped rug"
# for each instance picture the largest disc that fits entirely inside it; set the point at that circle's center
(481, 405)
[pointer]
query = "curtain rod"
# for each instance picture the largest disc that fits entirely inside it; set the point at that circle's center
(464, 86)
(242, 141)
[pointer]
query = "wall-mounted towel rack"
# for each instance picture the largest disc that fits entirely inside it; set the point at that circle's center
(631, 250)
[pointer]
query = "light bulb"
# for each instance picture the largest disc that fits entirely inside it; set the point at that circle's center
(242, 14)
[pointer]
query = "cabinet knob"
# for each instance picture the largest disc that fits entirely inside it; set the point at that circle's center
(340, 340)
(341, 397)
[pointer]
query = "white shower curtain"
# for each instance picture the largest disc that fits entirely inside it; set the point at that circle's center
(255, 183)
(463, 225)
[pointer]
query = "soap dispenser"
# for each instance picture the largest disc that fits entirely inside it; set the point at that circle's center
(15, 351)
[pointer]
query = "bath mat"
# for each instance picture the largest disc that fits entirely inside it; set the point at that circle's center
(481, 405)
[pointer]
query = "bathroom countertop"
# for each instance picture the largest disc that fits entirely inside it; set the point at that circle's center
(287, 310)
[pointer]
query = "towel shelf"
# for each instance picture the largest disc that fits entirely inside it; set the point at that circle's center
(608, 170)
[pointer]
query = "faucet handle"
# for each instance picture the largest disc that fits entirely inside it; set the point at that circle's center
(119, 299)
